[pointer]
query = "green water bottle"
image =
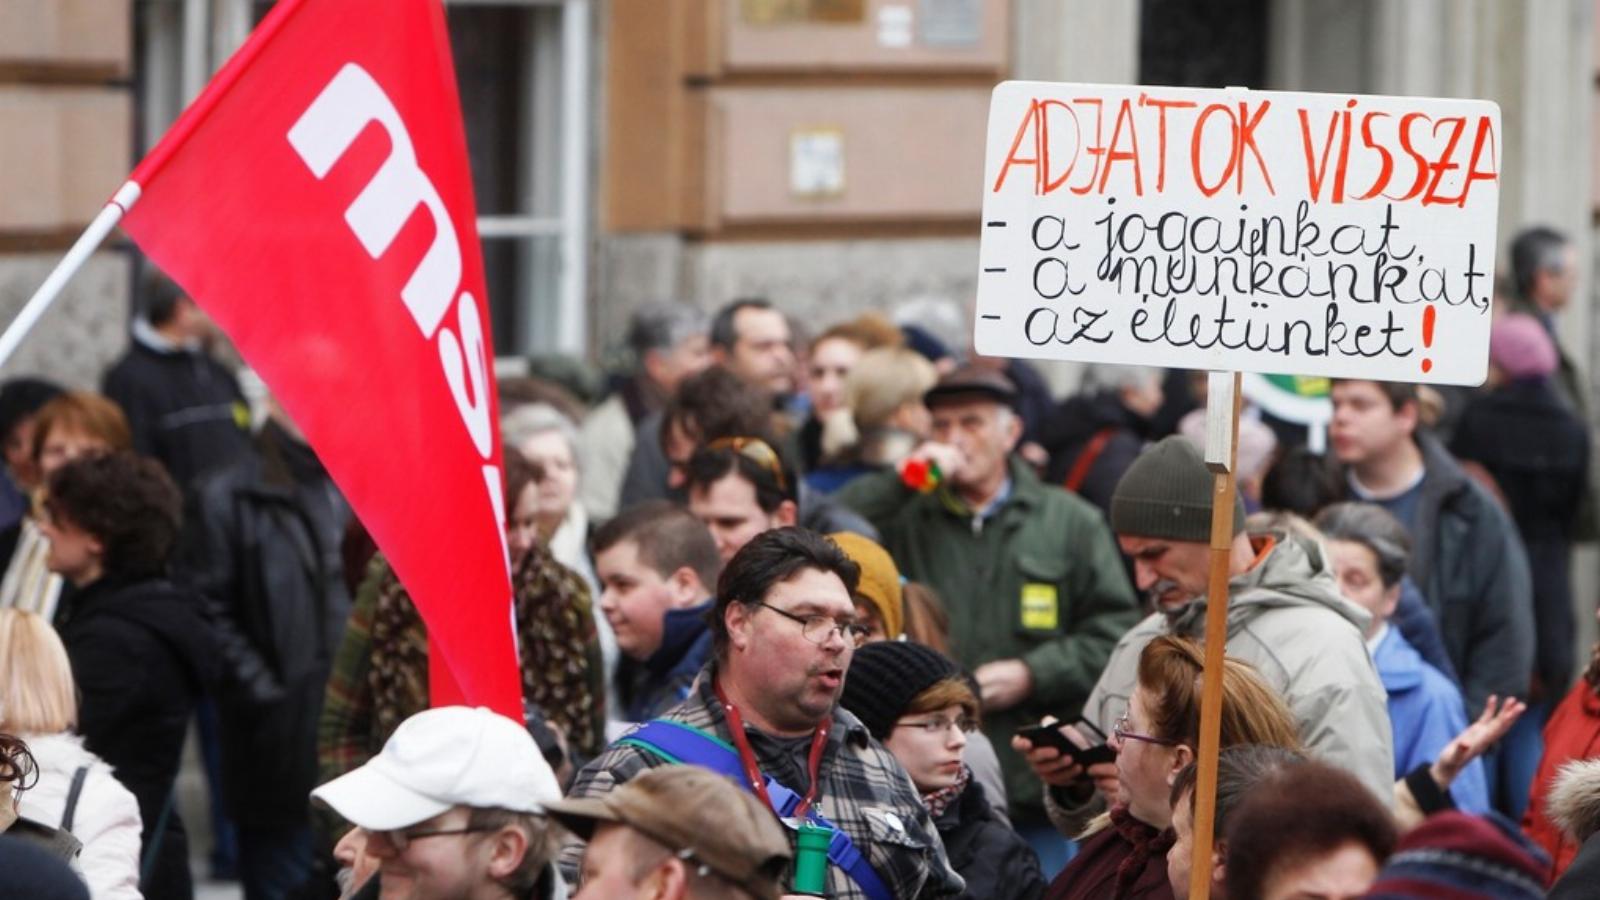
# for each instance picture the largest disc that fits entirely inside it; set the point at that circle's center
(811, 860)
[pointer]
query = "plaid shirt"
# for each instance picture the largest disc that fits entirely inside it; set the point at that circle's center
(865, 792)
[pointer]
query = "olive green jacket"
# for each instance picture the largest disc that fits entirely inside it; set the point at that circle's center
(1039, 580)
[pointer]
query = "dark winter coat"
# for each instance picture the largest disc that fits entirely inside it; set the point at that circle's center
(995, 862)
(666, 679)
(142, 656)
(1538, 452)
(264, 550)
(185, 409)
(1073, 426)
(1582, 878)
(1469, 563)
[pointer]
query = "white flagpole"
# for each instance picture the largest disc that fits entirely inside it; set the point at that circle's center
(81, 250)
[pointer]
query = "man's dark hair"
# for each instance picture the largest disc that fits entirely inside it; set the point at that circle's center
(19, 771)
(716, 404)
(21, 398)
(662, 326)
(159, 296)
(667, 537)
(1534, 250)
(773, 486)
(1299, 813)
(1301, 482)
(723, 332)
(1398, 393)
(125, 500)
(770, 558)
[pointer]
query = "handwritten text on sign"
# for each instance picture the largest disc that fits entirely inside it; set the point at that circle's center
(1310, 234)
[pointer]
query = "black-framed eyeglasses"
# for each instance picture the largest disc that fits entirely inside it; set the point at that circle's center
(940, 724)
(401, 838)
(1120, 729)
(816, 629)
(757, 451)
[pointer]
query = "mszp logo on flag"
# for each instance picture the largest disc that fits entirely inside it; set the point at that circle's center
(316, 201)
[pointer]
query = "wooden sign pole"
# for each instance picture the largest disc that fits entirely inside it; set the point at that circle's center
(1223, 401)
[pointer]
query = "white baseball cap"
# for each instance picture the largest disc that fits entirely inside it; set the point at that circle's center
(440, 758)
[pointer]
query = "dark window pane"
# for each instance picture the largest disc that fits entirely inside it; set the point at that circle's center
(1203, 43)
(489, 44)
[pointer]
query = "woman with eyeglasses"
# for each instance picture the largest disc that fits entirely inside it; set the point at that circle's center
(921, 707)
(1123, 854)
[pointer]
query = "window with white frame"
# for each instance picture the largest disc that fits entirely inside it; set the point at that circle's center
(522, 67)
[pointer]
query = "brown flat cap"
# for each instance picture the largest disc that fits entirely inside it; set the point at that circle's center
(970, 382)
(692, 810)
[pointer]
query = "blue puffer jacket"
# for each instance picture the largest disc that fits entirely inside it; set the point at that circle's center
(1425, 711)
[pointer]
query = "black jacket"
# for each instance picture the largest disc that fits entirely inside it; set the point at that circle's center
(1538, 452)
(1473, 572)
(263, 548)
(1074, 425)
(142, 656)
(1581, 881)
(995, 862)
(185, 409)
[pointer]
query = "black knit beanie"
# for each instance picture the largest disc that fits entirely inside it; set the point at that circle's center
(1166, 493)
(884, 678)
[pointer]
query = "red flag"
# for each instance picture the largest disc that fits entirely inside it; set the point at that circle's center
(316, 201)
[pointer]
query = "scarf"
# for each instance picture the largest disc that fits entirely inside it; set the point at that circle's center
(938, 801)
(1146, 844)
(555, 630)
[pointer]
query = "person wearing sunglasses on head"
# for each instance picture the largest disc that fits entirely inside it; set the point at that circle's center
(920, 705)
(764, 711)
(741, 486)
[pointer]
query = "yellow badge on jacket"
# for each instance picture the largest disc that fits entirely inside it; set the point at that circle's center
(1041, 609)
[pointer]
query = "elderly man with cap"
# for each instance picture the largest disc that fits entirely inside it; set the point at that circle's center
(682, 833)
(1285, 617)
(765, 713)
(454, 807)
(1036, 593)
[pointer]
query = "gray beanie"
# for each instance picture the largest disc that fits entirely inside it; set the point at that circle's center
(1166, 493)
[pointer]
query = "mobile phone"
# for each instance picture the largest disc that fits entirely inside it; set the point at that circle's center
(1051, 736)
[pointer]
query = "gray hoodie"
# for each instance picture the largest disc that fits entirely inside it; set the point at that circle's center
(1286, 618)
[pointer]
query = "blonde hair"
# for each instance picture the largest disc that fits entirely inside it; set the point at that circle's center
(1171, 672)
(37, 694)
(882, 381)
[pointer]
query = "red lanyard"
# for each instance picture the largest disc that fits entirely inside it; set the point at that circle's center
(752, 771)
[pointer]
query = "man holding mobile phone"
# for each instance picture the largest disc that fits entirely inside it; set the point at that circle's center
(1285, 617)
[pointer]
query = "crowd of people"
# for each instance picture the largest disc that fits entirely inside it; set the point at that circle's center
(857, 614)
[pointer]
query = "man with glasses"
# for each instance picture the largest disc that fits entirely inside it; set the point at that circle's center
(764, 712)
(740, 487)
(454, 807)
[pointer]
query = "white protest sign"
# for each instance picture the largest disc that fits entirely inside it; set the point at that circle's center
(1256, 231)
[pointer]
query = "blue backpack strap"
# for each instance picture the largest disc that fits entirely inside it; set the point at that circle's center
(683, 744)
(676, 742)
